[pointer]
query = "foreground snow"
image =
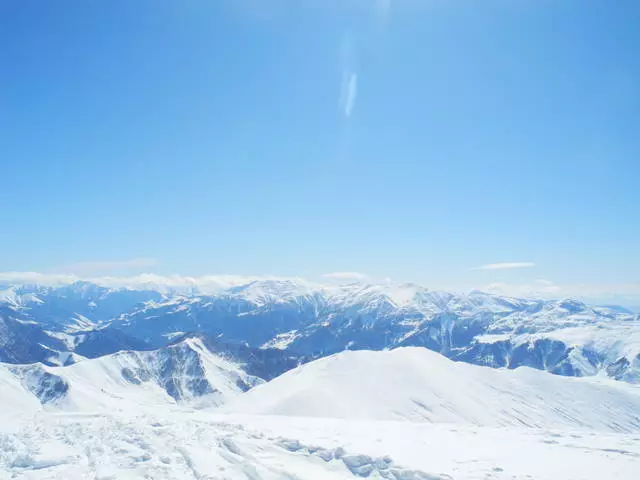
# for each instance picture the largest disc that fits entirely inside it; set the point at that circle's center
(406, 414)
(468, 452)
(188, 444)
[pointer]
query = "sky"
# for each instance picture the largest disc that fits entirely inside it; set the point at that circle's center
(455, 143)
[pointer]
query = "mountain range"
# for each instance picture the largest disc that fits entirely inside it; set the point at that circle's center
(282, 379)
(62, 325)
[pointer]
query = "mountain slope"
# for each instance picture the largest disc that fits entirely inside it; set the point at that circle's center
(564, 337)
(419, 385)
(264, 363)
(77, 307)
(16, 400)
(185, 373)
(23, 340)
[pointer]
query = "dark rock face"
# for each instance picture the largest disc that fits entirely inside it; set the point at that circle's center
(272, 326)
(44, 385)
(618, 368)
(24, 341)
(96, 343)
(264, 363)
(181, 374)
(57, 307)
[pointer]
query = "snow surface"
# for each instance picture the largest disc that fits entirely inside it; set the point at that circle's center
(15, 400)
(463, 451)
(405, 414)
(419, 385)
(175, 444)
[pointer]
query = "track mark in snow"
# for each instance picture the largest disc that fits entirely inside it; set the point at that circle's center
(360, 465)
(188, 461)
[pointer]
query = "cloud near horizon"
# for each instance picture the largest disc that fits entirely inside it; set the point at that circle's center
(345, 276)
(91, 267)
(620, 294)
(136, 282)
(505, 266)
(623, 294)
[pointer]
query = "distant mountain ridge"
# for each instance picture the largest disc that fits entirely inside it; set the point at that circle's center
(60, 325)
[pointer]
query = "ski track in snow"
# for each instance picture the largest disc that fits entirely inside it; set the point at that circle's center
(186, 446)
(406, 414)
(200, 445)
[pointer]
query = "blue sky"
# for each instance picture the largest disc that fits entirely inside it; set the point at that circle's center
(416, 140)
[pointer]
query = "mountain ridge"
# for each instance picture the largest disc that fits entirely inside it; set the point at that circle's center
(565, 337)
(186, 372)
(415, 384)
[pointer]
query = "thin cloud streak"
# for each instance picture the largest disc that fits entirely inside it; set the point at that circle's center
(85, 268)
(144, 281)
(383, 12)
(37, 278)
(622, 294)
(351, 94)
(349, 86)
(505, 266)
(345, 276)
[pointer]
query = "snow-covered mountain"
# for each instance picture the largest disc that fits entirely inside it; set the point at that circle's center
(416, 384)
(79, 306)
(564, 337)
(405, 414)
(186, 372)
(22, 340)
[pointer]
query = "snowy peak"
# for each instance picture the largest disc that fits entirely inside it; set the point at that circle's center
(184, 373)
(75, 306)
(562, 336)
(273, 291)
(22, 340)
(418, 385)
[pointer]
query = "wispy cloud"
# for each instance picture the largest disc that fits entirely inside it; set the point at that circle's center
(93, 267)
(624, 294)
(351, 94)
(505, 266)
(205, 283)
(621, 294)
(91, 270)
(383, 11)
(538, 288)
(37, 278)
(345, 276)
(349, 85)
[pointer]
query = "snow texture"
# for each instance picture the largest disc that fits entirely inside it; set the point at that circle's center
(406, 414)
